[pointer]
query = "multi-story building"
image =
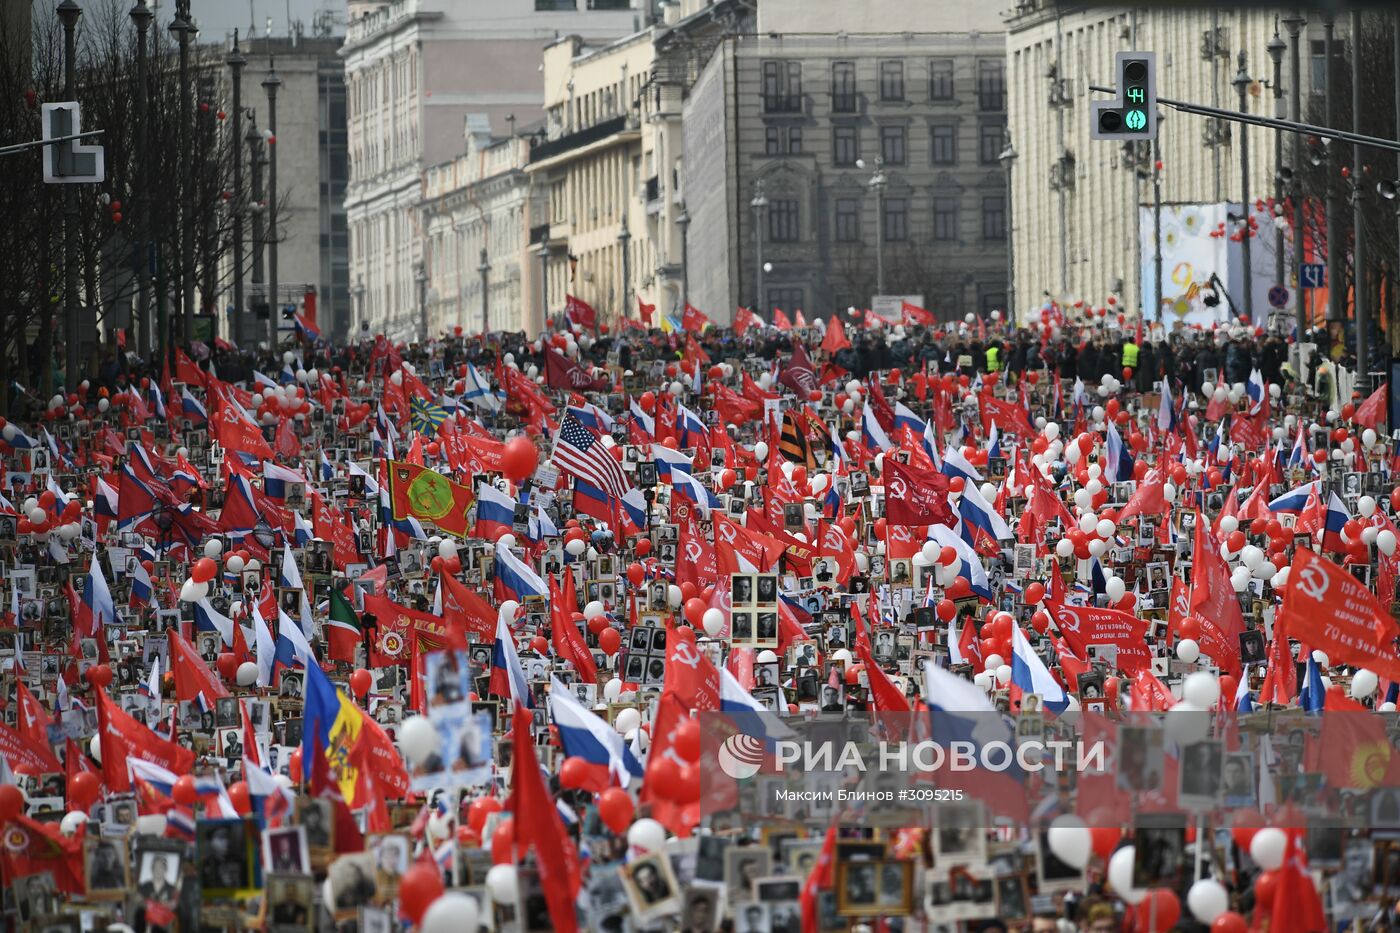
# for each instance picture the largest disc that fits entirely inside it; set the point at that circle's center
(415, 70)
(1083, 208)
(313, 249)
(823, 169)
(476, 213)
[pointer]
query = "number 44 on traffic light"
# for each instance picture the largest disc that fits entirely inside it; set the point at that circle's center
(1134, 114)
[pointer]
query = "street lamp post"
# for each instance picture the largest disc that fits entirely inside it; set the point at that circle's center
(1008, 159)
(271, 84)
(759, 202)
(484, 267)
(683, 221)
(182, 28)
(141, 17)
(877, 184)
(1242, 82)
(1276, 49)
(1336, 288)
(360, 321)
(256, 160)
(421, 277)
(68, 14)
(1358, 220)
(1294, 24)
(236, 63)
(624, 241)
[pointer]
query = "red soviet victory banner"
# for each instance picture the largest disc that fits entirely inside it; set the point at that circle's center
(1083, 626)
(911, 499)
(563, 373)
(1325, 607)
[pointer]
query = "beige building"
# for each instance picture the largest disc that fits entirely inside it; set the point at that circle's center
(598, 167)
(415, 71)
(1076, 216)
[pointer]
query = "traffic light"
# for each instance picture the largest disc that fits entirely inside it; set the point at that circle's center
(1134, 114)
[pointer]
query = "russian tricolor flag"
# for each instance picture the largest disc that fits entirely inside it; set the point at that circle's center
(969, 564)
(584, 735)
(507, 676)
(1120, 462)
(871, 433)
(191, 407)
(669, 462)
(694, 491)
(495, 512)
(276, 478)
(955, 464)
(1295, 499)
(1030, 674)
(516, 578)
(306, 329)
(978, 512)
(643, 420)
(750, 716)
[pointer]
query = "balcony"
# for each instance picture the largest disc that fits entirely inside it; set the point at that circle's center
(610, 4)
(595, 133)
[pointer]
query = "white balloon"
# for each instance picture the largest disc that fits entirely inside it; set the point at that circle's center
(234, 564)
(453, 912)
(1363, 684)
(1088, 523)
(673, 596)
(1267, 847)
(447, 549)
(1187, 650)
(1052, 431)
(1120, 875)
(1003, 674)
(760, 450)
(612, 689)
(418, 739)
(192, 592)
(508, 609)
(1115, 588)
(983, 681)
(1186, 723)
(1201, 689)
(1386, 707)
(247, 674)
(1239, 579)
(1385, 541)
(713, 622)
(151, 824)
(72, 821)
(1070, 840)
(994, 661)
(627, 720)
(647, 835)
(1098, 547)
(503, 885)
(1064, 547)
(1208, 898)
(1320, 657)
(213, 548)
(930, 551)
(1105, 528)
(505, 542)
(37, 515)
(1366, 505)
(593, 609)
(843, 655)
(1252, 556)
(1368, 437)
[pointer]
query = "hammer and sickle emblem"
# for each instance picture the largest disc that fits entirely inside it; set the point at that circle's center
(692, 550)
(1313, 582)
(898, 488)
(726, 531)
(685, 654)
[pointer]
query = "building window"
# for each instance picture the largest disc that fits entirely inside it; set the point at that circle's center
(994, 217)
(847, 220)
(896, 220)
(554, 6)
(945, 218)
(843, 87)
(845, 145)
(773, 140)
(782, 220)
(892, 144)
(794, 140)
(789, 299)
(991, 84)
(943, 143)
(1318, 61)
(991, 142)
(892, 80)
(940, 79)
(782, 87)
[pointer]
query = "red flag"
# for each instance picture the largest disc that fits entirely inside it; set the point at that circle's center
(32, 847)
(1325, 607)
(539, 826)
(911, 499)
(780, 320)
(835, 338)
(1212, 594)
(20, 751)
(819, 879)
(568, 641)
(743, 320)
(694, 320)
(31, 718)
(1297, 908)
(560, 372)
(799, 374)
(330, 524)
(123, 737)
(467, 610)
(1148, 499)
(580, 312)
(192, 675)
(913, 314)
(235, 432)
(1083, 626)
(1372, 411)
(645, 311)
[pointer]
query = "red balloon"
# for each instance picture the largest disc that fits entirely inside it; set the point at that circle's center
(503, 842)
(1189, 628)
(184, 792)
(360, 682)
(688, 591)
(12, 802)
(204, 570)
(1035, 592)
(947, 609)
(519, 458)
(573, 772)
(960, 588)
(597, 624)
(799, 476)
(1229, 922)
(665, 772)
(695, 610)
(609, 640)
(956, 484)
(478, 811)
(686, 740)
(99, 675)
(687, 787)
(241, 798)
(1158, 911)
(1265, 886)
(1040, 621)
(615, 809)
(636, 574)
(83, 789)
(294, 765)
(1105, 840)
(418, 888)
(540, 645)
(643, 547)
(1236, 541)
(227, 663)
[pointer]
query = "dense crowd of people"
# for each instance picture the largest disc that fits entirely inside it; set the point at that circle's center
(509, 633)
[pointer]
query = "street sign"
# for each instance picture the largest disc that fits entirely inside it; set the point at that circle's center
(1312, 275)
(1134, 114)
(69, 162)
(1278, 297)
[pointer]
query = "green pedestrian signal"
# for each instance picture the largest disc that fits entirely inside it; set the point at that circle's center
(1134, 114)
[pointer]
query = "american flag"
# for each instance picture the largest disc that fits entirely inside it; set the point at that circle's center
(580, 452)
